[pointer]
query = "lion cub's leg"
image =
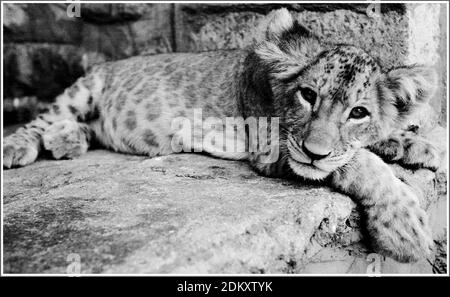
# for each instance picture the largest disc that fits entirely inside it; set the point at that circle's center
(77, 103)
(67, 139)
(395, 220)
(408, 149)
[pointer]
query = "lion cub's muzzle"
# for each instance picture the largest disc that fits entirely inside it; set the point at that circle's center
(314, 151)
(314, 160)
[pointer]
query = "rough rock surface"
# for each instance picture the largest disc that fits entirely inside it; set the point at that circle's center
(198, 29)
(190, 213)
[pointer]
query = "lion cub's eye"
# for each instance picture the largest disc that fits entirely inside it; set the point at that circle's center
(309, 95)
(358, 113)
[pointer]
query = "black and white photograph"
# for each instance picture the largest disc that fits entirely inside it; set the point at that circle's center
(244, 138)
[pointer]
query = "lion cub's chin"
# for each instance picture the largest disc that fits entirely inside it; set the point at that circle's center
(308, 171)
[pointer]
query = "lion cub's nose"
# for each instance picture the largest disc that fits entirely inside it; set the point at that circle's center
(314, 152)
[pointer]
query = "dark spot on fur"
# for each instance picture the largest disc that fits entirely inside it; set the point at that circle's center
(114, 123)
(191, 96)
(73, 110)
(130, 121)
(149, 138)
(145, 91)
(386, 224)
(108, 104)
(121, 99)
(132, 82)
(176, 79)
(56, 109)
(400, 236)
(37, 128)
(93, 114)
(41, 117)
(153, 110)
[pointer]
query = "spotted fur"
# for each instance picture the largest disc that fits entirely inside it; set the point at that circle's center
(129, 106)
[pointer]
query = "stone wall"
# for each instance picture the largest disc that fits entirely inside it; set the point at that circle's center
(46, 49)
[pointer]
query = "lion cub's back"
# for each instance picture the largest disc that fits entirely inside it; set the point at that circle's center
(142, 96)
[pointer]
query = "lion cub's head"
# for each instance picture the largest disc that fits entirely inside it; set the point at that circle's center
(331, 99)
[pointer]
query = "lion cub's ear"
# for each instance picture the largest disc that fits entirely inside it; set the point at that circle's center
(278, 22)
(408, 87)
(285, 46)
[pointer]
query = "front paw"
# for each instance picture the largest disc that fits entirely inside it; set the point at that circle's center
(390, 150)
(419, 153)
(409, 150)
(65, 139)
(399, 227)
(18, 152)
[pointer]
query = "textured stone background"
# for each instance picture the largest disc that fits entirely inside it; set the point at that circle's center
(46, 50)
